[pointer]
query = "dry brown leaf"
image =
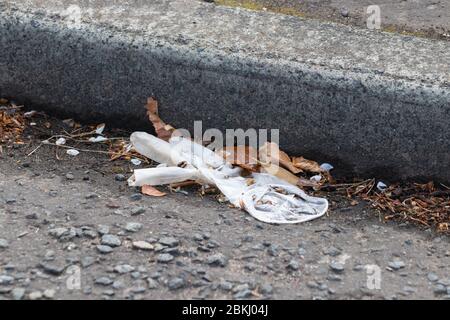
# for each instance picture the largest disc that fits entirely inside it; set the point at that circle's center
(271, 153)
(243, 156)
(307, 165)
(151, 191)
(163, 131)
(280, 172)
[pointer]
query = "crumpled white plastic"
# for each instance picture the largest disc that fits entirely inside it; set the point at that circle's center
(264, 196)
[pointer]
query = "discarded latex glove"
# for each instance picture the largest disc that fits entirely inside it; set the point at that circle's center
(264, 196)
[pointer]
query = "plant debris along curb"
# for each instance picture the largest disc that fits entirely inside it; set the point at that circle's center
(371, 103)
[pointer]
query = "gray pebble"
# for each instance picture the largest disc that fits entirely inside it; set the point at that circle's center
(4, 244)
(133, 226)
(164, 258)
(176, 283)
(225, 285)
(142, 245)
(337, 267)
(152, 284)
(70, 176)
(169, 241)
(396, 265)
(6, 280)
(332, 251)
(266, 289)
(440, 289)
(432, 277)
(243, 294)
(293, 265)
(138, 210)
(120, 177)
(53, 269)
(136, 197)
(87, 261)
(35, 295)
(104, 249)
(18, 293)
(111, 240)
(217, 260)
(345, 12)
(123, 268)
(103, 229)
(64, 234)
(103, 281)
(49, 293)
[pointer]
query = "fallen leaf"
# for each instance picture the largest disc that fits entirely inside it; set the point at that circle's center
(151, 191)
(271, 153)
(163, 131)
(243, 156)
(280, 172)
(307, 165)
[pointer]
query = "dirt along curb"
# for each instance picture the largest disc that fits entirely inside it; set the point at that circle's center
(369, 102)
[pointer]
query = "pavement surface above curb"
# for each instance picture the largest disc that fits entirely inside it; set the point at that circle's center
(371, 103)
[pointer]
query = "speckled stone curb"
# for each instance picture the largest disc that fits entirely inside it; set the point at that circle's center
(368, 102)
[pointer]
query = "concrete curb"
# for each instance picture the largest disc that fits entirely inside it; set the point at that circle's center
(370, 103)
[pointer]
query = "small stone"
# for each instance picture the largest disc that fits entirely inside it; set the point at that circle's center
(225, 285)
(217, 260)
(241, 287)
(32, 216)
(123, 268)
(273, 250)
(18, 293)
(345, 12)
(396, 265)
(4, 244)
(87, 261)
(64, 234)
(111, 240)
(440, 289)
(176, 283)
(266, 289)
(35, 295)
(334, 277)
(102, 229)
(104, 249)
(243, 294)
(89, 233)
(408, 289)
(6, 280)
(49, 293)
(117, 284)
(169, 241)
(432, 277)
(337, 267)
(164, 258)
(103, 281)
(139, 287)
(152, 284)
(108, 292)
(133, 226)
(142, 245)
(52, 269)
(70, 176)
(137, 211)
(91, 196)
(293, 265)
(136, 197)
(120, 177)
(197, 237)
(332, 251)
